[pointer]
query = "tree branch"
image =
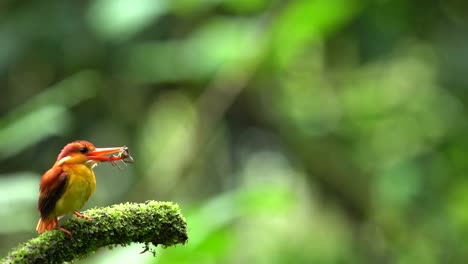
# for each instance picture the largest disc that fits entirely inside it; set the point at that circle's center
(157, 223)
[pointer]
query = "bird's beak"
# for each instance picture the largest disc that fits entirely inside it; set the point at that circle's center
(98, 154)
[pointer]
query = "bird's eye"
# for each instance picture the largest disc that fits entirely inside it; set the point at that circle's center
(84, 150)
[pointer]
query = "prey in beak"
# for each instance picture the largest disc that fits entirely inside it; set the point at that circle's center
(111, 155)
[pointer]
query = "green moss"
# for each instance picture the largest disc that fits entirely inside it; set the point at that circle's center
(152, 223)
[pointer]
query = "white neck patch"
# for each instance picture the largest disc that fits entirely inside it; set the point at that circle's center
(62, 160)
(91, 163)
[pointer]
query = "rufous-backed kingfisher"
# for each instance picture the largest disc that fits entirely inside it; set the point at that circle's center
(67, 186)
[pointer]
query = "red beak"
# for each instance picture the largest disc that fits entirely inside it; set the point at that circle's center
(98, 154)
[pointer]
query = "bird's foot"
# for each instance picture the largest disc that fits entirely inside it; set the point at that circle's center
(81, 215)
(56, 223)
(65, 231)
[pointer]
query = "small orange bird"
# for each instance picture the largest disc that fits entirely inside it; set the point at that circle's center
(67, 186)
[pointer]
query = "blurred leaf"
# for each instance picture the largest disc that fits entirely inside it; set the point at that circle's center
(168, 138)
(224, 41)
(397, 186)
(305, 99)
(305, 21)
(118, 20)
(398, 109)
(29, 129)
(211, 48)
(8, 47)
(246, 6)
(190, 7)
(252, 201)
(18, 200)
(67, 93)
(45, 114)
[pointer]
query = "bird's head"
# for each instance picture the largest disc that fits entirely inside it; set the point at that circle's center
(84, 152)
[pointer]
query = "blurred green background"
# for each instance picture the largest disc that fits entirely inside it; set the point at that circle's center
(321, 131)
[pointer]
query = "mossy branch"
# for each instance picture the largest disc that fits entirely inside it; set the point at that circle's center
(157, 223)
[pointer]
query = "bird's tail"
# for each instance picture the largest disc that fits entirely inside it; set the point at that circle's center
(45, 224)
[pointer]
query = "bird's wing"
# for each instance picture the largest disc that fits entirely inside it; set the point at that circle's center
(53, 184)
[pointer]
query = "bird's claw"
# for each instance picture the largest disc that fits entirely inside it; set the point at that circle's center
(81, 215)
(65, 231)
